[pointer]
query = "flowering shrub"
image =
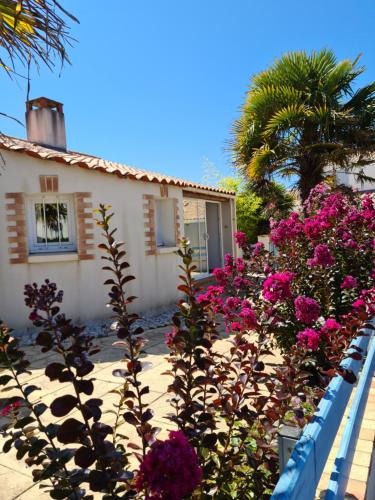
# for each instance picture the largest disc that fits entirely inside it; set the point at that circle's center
(324, 259)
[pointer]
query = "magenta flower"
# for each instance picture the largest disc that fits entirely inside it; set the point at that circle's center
(7, 409)
(330, 326)
(170, 470)
(233, 302)
(322, 257)
(307, 309)
(349, 282)
(276, 288)
(169, 337)
(309, 338)
(359, 303)
(249, 320)
(220, 276)
(258, 248)
(314, 227)
(286, 230)
(240, 238)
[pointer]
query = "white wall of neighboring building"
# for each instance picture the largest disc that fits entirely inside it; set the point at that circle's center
(82, 281)
(348, 178)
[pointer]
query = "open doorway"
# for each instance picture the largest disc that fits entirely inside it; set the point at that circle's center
(202, 228)
(213, 235)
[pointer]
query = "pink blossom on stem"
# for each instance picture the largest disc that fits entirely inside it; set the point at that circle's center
(349, 282)
(170, 470)
(276, 288)
(240, 238)
(309, 338)
(249, 320)
(258, 248)
(330, 326)
(307, 309)
(322, 257)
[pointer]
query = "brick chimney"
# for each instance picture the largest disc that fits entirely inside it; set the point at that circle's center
(45, 123)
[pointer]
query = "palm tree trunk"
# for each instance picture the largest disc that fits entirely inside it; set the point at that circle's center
(311, 174)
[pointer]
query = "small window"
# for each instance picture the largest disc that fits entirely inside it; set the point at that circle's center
(51, 224)
(165, 223)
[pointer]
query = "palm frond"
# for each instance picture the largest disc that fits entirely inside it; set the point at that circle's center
(33, 29)
(259, 163)
(288, 117)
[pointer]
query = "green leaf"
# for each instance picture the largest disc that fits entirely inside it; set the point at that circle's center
(7, 445)
(4, 379)
(24, 421)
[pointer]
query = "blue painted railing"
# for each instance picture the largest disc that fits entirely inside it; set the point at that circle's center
(302, 473)
(344, 458)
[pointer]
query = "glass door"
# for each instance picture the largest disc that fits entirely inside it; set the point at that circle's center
(195, 230)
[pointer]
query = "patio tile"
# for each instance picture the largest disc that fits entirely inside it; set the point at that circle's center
(357, 489)
(15, 485)
(362, 458)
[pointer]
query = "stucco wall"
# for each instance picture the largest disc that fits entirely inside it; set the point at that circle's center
(350, 180)
(85, 297)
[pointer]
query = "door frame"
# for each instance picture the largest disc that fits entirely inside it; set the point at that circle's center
(204, 274)
(221, 252)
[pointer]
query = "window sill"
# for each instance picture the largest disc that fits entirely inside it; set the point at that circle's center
(54, 257)
(162, 250)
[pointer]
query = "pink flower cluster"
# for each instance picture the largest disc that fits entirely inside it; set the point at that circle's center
(329, 327)
(307, 309)
(12, 406)
(213, 296)
(286, 230)
(170, 470)
(240, 238)
(349, 282)
(239, 315)
(322, 257)
(311, 339)
(276, 288)
(366, 302)
(314, 227)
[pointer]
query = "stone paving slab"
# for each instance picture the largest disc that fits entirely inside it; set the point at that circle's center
(17, 475)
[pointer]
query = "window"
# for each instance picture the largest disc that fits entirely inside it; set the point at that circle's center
(51, 224)
(165, 223)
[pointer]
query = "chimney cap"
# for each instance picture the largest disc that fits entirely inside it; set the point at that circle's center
(44, 102)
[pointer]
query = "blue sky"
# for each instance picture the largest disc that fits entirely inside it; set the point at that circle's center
(158, 83)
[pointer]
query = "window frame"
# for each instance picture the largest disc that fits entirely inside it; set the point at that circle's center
(36, 248)
(173, 243)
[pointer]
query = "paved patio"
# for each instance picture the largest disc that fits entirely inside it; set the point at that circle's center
(17, 476)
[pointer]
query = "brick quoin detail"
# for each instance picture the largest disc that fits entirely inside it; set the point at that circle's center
(149, 217)
(177, 221)
(49, 183)
(164, 190)
(85, 226)
(17, 231)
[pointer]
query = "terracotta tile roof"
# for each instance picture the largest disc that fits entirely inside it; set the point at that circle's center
(94, 163)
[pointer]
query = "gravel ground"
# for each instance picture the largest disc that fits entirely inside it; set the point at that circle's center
(148, 320)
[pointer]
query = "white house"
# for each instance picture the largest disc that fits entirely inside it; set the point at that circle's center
(47, 197)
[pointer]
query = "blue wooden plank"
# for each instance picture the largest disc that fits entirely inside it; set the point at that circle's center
(304, 469)
(343, 461)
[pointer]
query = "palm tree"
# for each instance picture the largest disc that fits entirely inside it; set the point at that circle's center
(33, 30)
(303, 119)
